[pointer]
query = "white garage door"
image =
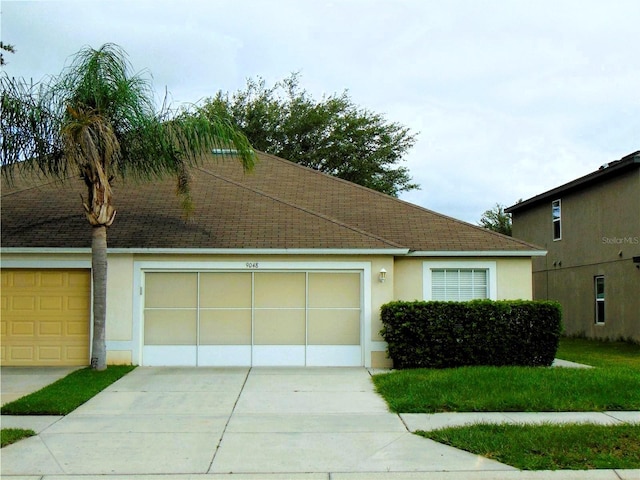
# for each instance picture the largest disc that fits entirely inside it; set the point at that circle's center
(252, 318)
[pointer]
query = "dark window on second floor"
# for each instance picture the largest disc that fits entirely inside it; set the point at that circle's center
(556, 218)
(599, 294)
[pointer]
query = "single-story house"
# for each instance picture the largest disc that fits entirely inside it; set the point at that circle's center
(281, 266)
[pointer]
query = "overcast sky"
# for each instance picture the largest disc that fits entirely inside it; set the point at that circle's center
(510, 98)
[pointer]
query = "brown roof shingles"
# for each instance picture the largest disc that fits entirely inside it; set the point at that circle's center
(280, 205)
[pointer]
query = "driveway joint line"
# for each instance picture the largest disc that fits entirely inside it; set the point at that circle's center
(224, 430)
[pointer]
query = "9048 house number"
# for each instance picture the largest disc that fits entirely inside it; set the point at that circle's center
(253, 265)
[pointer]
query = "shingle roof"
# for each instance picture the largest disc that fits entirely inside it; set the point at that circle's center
(280, 205)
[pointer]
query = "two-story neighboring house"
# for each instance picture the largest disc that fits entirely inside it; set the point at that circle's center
(590, 228)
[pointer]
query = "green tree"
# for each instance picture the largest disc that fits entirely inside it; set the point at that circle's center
(496, 220)
(5, 47)
(98, 121)
(331, 135)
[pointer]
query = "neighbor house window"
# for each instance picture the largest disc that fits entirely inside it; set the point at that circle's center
(556, 218)
(459, 281)
(599, 290)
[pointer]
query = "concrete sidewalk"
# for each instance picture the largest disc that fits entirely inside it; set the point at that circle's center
(274, 423)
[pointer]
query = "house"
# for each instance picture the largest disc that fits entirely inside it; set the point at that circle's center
(281, 266)
(591, 230)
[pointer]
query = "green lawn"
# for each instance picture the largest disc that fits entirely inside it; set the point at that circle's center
(12, 435)
(548, 447)
(67, 394)
(600, 354)
(613, 385)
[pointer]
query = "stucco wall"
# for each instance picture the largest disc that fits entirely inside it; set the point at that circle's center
(120, 298)
(600, 236)
(513, 276)
(404, 281)
(514, 279)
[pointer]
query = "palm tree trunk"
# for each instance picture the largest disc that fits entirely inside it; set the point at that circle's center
(99, 274)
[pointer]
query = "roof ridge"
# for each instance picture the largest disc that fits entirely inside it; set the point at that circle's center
(409, 204)
(297, 207)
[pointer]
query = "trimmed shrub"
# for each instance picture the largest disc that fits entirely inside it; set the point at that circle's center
(479, 332)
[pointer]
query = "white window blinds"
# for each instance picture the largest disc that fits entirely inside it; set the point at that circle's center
(457, 284)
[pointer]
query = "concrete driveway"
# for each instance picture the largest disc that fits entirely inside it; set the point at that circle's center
(16, 382)
(211, 420)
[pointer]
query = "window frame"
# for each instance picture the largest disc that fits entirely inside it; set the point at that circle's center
(429, 266)
(557, 220)
(597, 300)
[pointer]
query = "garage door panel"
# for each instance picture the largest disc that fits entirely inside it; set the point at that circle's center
(167, 355)
(53, 279)
(23, 304)
(22, 329)
(334, 356)
(225, 327)
(23, 279)
(171, 290)
(75, 355)
(170, 327)
(280, 290)
(279, 327)
(21, 353)
(78, 303)
(77, 329)
(225, 290)
(279, 355)
(334, 290)
(334, 327)
(51, 303)
(49, 354)
(50, 329)
(224, 355)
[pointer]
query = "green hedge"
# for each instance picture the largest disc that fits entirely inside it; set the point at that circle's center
(479, 332)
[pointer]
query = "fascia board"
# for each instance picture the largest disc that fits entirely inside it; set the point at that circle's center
(212, 251)
(479, 253)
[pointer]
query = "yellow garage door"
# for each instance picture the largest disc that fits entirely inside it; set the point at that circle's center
(45, 317)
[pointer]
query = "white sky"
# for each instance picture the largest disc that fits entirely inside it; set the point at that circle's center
(510, 98)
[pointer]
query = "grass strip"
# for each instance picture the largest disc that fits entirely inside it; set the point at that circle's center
(12, 435)
(66, 394)
(510, 389)
(548, 447)
(600, 353)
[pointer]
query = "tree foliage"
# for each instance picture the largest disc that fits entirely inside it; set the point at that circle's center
(98, 121)
(496, 220)
(331, 135)
(5, 47)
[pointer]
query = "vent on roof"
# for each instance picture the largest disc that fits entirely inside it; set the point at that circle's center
(608, 164)
(224, 151)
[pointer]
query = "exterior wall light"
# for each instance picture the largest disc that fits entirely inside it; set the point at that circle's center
(382, 276)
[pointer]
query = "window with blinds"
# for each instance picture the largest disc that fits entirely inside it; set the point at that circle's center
(459, 284)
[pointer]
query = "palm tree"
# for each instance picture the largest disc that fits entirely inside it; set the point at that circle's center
(99, 122)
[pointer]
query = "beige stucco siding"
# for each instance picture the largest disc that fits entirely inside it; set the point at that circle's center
(119, 298)
(513, 276)
(514, 279)
(408, 281)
